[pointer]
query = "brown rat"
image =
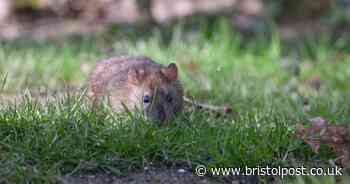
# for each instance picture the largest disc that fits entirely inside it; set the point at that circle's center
(138, 83)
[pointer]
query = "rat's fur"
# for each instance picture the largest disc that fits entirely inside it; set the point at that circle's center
(126, 80)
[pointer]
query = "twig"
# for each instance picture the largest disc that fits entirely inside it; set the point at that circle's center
(219, 109)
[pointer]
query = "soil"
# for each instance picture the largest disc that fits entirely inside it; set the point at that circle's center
(154, 176)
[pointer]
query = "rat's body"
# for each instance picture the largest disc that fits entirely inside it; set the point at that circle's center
(138, 83)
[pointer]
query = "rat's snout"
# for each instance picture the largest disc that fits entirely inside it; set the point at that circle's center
(161, 113)
(157, 113)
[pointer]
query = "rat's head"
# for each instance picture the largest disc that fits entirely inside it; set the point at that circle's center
(156, 91)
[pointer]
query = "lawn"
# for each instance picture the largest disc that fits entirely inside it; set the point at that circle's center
(265, 81)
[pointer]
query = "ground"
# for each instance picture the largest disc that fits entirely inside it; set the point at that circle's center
(166, 176)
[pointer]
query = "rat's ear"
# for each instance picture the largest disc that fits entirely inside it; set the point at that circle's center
(135, 76)
(170, 72)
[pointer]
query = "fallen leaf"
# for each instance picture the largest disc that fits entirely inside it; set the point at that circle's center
(336, 137)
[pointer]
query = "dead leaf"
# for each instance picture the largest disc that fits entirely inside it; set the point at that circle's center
(336, 137)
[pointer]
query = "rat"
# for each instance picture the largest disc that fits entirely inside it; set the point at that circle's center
(137, 83)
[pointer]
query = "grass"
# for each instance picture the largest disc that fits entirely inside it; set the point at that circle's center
(40, 143)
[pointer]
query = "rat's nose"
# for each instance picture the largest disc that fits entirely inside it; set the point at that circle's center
(162, 114)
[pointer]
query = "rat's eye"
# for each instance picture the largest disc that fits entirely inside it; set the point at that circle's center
(169, 98)
(146, 99)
